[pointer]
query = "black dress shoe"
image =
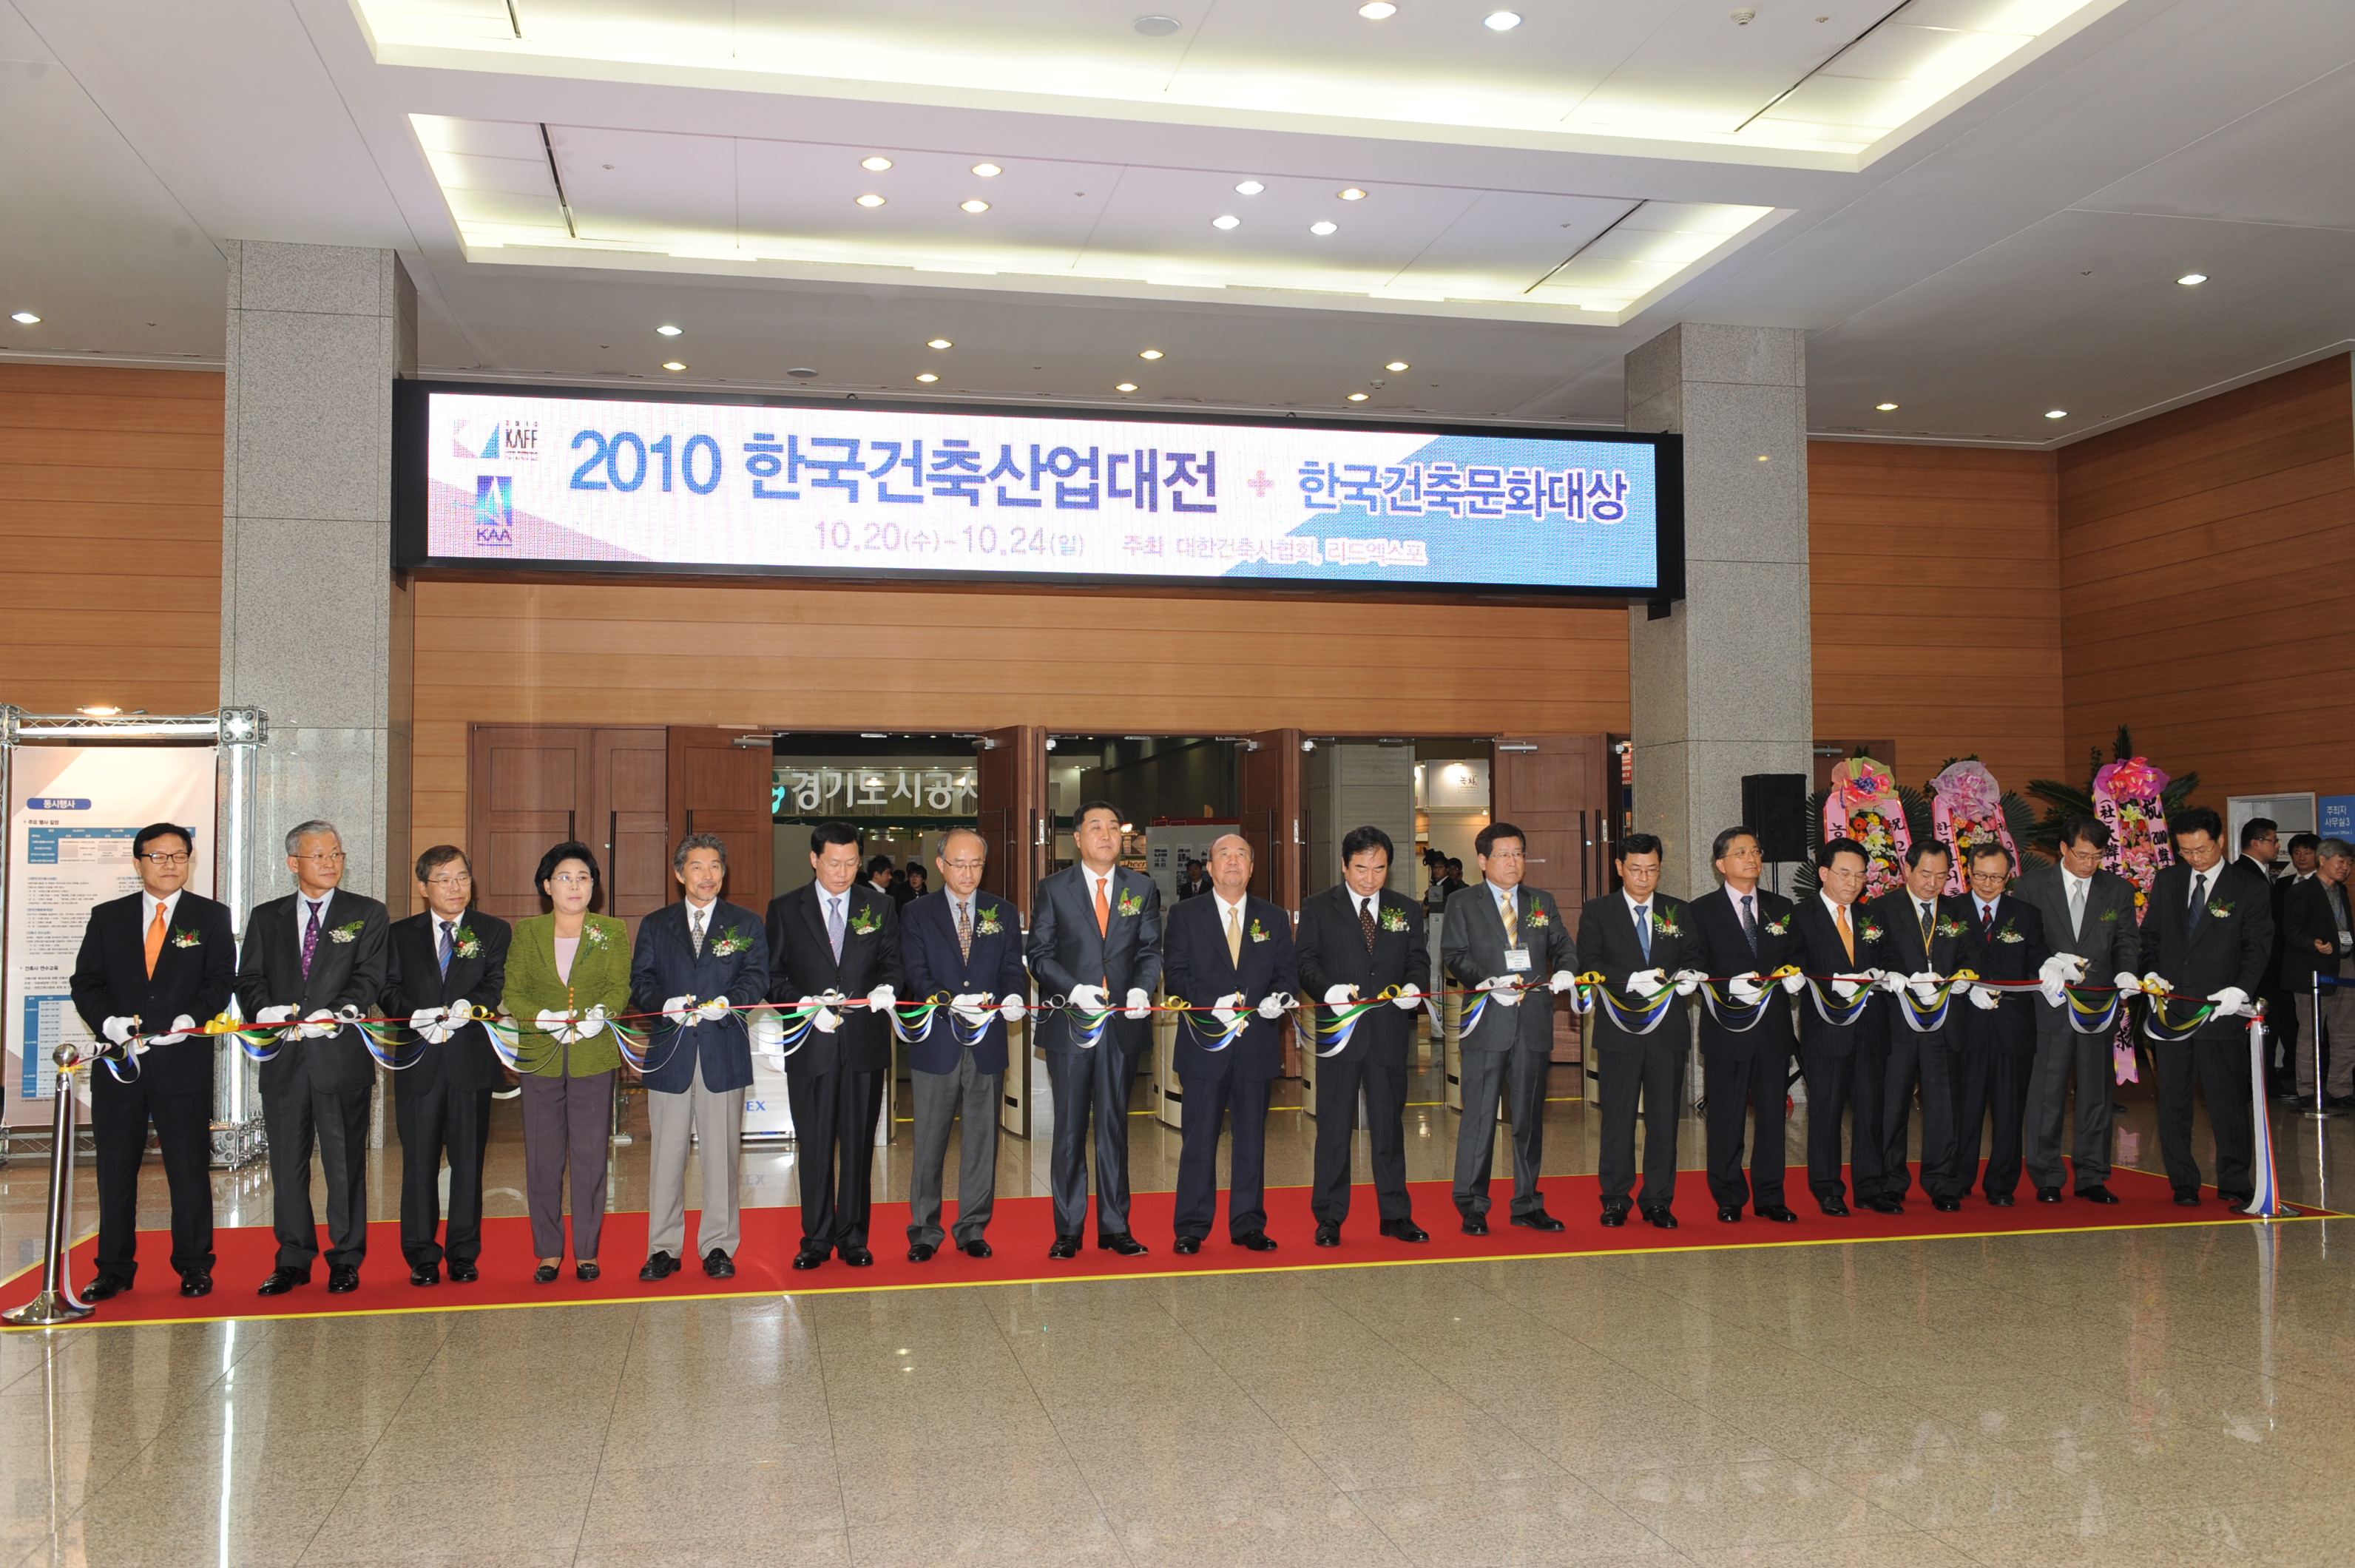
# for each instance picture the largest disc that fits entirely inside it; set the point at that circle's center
(2002, 1201)
(1612, 1218)
(1187, 1246)
(2097, 1195)
(2236, 1199)
(1661, 1219)
(1404, 1231)
(718, 1264)
(1124, 1244)
(1329, 1233)
(921, 1252)
(1539, 1220)
(856, 1257)
(1476, 1224)
(1730, 1213)
(464, 1274)
(1778, 1213)
(587, 1273)
(659, 1266)
(810, 1257)
(545, 1275)
(106, 1287)
(1064, 1247)
(2048, 1195)
(1257, 1242)
(1948, 1205)
(196, 1282)
(976, 1248)
(425, 1274)
(1835, 1207)
(344, 1280)
(1884, 1205)
(2187, 1198)
(282, 1280)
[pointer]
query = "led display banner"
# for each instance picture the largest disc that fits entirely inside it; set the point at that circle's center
(493, 477)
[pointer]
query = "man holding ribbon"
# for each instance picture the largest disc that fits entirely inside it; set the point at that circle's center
(1843, 1035)
(833, 968)
(1743, 934)
(1998, 1039)
(153, 967)
(1931, 937)
(1638, 942)
(444, 962)
(1508, 944)
(313, 966)
(963, 949)
(2088, 915)
(1229, 958)
(1362, 957)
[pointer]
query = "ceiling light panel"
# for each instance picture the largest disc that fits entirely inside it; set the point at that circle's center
(1665, 77)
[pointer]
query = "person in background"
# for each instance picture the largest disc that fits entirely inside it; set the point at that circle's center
(913, 886)
(879, 875)
(2320, 940)
(2260, 844)
(157, 964)
(2305, 852)
(1195, 882)
(568, 974)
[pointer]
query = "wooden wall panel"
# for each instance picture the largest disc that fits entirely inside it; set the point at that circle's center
(1936, 605)
(2202, 562)
(110, 530)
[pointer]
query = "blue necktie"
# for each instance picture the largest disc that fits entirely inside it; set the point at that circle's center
(446, 947)
(1644, 928)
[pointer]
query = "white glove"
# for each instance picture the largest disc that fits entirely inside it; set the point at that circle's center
(348, 1014)
(1924, 987)
(1562, 980)
(559, 1025)
(880, 998)
(1014, 1009)
(1745, 988)
(1271, 1007)
(1986, 998)
(274, 1018)
(1646, 984)
(1139, 1003)
(1892, 984)
(971, 1007)
(2126, 980)
(1845, 986)
(118, 1030)
(1408, 999)
(430, 1024)
(591, 1022)
(182, 1028)
(460, 1013)
(826, 1020)
(320, 1025)
(1225, 1008)
(768, 1031)
(1794, 984)
(713, 1011)
(1089, 998)
(2233, 1000)
(2157, 983)
(1504, 989)
(1688, 981)
(1340, 995)
(679, 1012)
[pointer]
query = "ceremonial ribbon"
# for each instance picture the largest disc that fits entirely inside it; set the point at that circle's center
(1755, 1012)
(1345, 1022)
(1849, 1011)
(1649, 1012)
(1227, 1032)
(1929, 1017)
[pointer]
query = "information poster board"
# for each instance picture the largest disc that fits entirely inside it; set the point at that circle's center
(72, 811)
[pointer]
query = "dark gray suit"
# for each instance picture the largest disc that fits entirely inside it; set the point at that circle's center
(1512, 1047)
(2107, 941)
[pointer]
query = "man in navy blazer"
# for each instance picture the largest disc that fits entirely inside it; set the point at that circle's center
(962, 946)
(157, 964)
(1230, 958)
(698, 961)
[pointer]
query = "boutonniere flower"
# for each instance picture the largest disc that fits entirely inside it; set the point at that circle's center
(2008, 935)
(463, 944)
(2219, 909)
(1258, 932)
(595, 935)
(1538, 918)
(729, 942)
(349, 933)
(187, 937)
(2109, 917)
(1872, 933)
(1394, 920)
(1130, 903)
(989, 924)
(1951, 928)
(1780, 927)
(1665, 925)
(867, 923)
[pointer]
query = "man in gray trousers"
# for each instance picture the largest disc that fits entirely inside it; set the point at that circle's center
(2088, 912)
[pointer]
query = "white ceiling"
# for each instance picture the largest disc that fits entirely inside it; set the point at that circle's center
(2009, 250)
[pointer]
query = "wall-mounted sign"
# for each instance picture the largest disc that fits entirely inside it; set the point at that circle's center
(870, 786)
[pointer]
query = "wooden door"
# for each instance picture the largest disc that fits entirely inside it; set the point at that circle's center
(1268, 791)
(718, 786)
(526, 790)
(1558, 790)
(629, 786)
(1009, 775)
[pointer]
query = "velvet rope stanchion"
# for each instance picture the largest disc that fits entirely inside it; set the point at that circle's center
(2264, 1202)
(57, 1302)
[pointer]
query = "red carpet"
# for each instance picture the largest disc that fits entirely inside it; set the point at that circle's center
(1023, 1227)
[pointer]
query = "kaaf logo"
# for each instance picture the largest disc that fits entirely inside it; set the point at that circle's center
(494, 509)
(504, 440)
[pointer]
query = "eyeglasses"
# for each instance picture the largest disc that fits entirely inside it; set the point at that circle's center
(962, 865)
(164, 861)
(572, 879)
(332, 858)
(456, 879)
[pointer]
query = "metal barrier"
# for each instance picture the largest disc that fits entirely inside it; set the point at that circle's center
(56, 1303)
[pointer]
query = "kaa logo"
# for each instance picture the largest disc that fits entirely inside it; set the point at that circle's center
(494, 509)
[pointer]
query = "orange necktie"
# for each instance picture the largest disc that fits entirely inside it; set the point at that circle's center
(154, 941)
(1103, 905)
(1847, 936)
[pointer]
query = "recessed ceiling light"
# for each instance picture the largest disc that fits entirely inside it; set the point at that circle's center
(1886, 407)
(668, 331)
(1501, 21)
(987, 171)
(1357, 397)
(1765, 458)
(877, 162)
(673, 364)
(1378, 10)
(26, 317)
(1125, 387)
(2191, 280)
(1323, 226)
(802, 373)
(1397, 365)
(940, 343)
(1148, 354)
(1352, 194)
(871, 199)
(1250, 187)
(927, 376)
(1226, 221)
(2056, 414)
(975, 204)
(1157, 26)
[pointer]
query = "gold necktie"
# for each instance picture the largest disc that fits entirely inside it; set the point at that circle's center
(1235, 936)
(1848, 935)
(1510, 910)
(154, 941)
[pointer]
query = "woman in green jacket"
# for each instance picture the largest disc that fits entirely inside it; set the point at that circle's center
(566, 963)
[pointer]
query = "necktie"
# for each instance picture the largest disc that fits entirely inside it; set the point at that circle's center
(702, 915)
(1986, 919)
(1366, 921)
(448, 946)
(1510, 910)
(965, 929)
(2076, 905)
(1644, 928)
(1921, 912)
(1103, 905)
(1750, 922)
(310, 940)
(1847, 932)
(1235, 937)
(154, 941)
(2198, 903)
(834, 926)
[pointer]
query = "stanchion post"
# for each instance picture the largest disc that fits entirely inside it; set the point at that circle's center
(56, 1303)
(2320, 1109)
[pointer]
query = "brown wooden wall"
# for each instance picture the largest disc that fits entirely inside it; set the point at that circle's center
(1934, 575)
(110, 538)
(2204, 556)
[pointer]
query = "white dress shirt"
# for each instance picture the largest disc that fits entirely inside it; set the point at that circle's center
(147, 902)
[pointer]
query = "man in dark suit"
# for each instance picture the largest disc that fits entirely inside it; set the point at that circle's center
(2317, 940)
(1636, 939)
(836, 936)
(1358, 940)
(153, 968)
(1228, 957)
(1195, 882)
(698, 963)
(1998, 1028)
(441, 1095)
(1509, 941)
(963, 946)
(1743, 933)
(314, 962)
(1928, 933)
(1843, 1047)
(1095, 942)
(2088, 916)
(2205, 934)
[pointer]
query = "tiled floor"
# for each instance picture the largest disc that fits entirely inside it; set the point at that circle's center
(2132, 1397)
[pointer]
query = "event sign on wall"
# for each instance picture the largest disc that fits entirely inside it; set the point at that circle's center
(490, 476)
(73, 812)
